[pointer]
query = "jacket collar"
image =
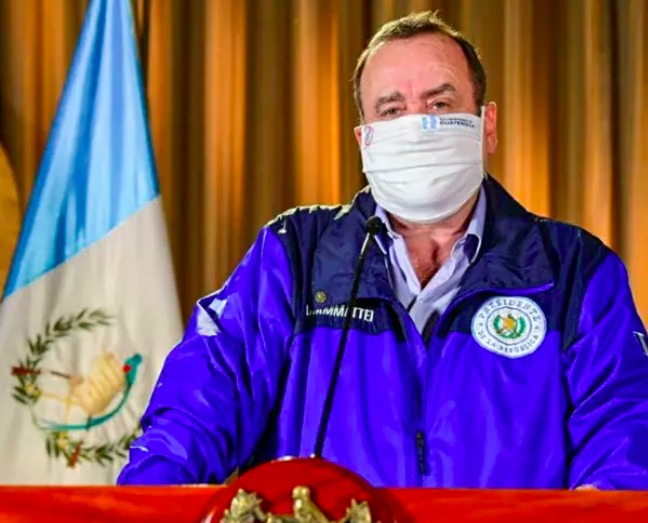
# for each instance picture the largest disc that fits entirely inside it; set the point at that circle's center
(512, 256)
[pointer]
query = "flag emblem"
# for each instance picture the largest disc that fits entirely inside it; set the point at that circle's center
(84, 402)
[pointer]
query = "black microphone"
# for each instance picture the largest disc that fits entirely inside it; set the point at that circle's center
(373, 227)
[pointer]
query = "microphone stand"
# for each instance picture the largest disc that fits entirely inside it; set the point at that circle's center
(373, 227)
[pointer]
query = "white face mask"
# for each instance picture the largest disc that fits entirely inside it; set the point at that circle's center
(423, 168)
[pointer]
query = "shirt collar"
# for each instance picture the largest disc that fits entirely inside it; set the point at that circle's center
(472, 239)
(512, 256)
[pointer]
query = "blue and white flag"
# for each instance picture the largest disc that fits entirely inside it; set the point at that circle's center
(90, 308)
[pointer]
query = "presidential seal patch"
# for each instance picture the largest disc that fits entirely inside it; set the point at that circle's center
(509, 326)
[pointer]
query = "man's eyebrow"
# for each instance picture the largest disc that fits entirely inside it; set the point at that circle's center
(398, 97)
(393, 97)
(442, 89)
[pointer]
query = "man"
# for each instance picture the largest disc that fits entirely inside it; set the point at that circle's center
(489, 348)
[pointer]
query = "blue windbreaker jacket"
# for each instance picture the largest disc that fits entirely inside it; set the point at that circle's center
(476, 406)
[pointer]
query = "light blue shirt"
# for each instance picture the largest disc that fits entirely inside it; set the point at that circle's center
(426, 304)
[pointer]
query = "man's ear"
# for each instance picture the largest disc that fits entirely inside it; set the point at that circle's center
(490, 128)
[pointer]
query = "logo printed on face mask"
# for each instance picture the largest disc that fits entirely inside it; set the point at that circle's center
(433, 122)
(430, 123)
(367, 135)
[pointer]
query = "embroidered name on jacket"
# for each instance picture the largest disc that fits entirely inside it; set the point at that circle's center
(340, 311)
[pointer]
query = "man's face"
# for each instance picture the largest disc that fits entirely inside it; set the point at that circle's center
(426, 74)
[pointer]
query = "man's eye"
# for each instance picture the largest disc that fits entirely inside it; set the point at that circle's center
(440, 106)
(390, 113)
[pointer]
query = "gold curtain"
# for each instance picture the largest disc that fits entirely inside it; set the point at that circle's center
(9, 216)
(252, 111)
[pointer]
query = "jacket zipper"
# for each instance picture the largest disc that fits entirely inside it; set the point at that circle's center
(421, 451)
(419, 435)
(422, 468)
(421, 445)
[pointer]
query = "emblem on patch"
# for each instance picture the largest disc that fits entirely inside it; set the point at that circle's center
(509, 326)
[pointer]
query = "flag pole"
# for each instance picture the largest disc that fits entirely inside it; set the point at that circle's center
(143, 38)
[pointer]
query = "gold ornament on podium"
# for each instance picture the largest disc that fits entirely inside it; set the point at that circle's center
(246, 508)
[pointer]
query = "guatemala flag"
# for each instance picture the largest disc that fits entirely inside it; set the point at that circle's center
(90, 308)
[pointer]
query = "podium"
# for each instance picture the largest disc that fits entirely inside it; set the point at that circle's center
(190, 504)
(331, 490)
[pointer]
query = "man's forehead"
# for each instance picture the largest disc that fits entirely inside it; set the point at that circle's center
(426, 52)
